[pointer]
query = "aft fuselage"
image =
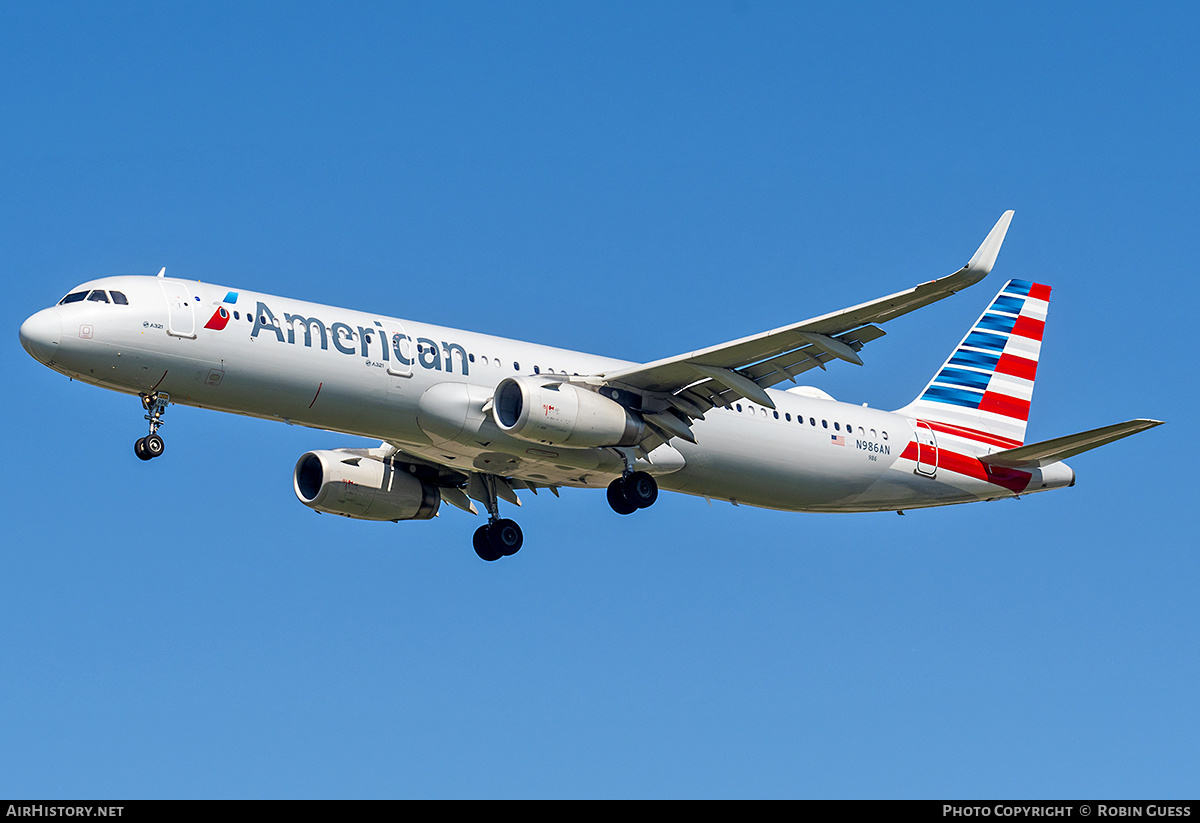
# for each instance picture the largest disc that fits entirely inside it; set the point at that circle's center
(425, 388)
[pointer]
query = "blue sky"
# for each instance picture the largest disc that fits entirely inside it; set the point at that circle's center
(634, 180)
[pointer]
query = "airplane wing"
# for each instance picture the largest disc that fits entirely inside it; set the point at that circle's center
(695, 382)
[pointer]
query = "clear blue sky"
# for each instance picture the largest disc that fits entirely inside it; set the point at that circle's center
(635, 180)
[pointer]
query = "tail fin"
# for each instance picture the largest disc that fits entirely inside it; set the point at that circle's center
(982, 392)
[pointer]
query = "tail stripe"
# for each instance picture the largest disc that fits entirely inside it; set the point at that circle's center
(1029, 327)
(962, 377)
(1017, 366)
(986, 385)
(1037, 291)
(997, 322)
(955, 397)
(977, 359)
(982, 340)
(1005, 405)
(1007, 303)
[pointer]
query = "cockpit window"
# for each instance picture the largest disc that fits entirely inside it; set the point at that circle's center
(119, 298)
(73, 297)
(98, 296)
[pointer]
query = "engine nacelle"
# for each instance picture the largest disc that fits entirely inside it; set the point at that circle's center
(560, 414)
(341, 482)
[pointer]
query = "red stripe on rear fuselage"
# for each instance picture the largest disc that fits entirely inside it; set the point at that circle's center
(974, 434)
(1012, 479)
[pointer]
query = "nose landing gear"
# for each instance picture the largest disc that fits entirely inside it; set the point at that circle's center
(151, 446)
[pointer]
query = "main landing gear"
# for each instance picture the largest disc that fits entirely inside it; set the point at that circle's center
(151, 446)
(501, 537)
(632, 491)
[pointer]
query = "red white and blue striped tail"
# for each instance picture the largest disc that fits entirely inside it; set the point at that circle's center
(982, 393)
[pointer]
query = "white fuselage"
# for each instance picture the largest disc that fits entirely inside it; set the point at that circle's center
(424, 388)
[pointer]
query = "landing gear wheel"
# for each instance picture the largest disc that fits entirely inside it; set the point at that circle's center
(153, 445)
(506, 536)
(617, 499)
(483, 546)
(501, 538)
(641, 489)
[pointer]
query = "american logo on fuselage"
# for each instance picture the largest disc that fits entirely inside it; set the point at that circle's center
(220, 318)
(373, 342)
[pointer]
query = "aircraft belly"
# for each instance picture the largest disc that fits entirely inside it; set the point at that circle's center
(772, 465)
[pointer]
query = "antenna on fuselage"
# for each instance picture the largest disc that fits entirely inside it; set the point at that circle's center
(162, 272)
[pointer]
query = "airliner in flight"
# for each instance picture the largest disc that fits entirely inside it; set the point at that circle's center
(466, 417)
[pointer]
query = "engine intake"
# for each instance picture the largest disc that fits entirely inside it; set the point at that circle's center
(560, 414)
(340, 482)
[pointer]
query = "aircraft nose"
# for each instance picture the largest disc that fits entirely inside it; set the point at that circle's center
(41, 333)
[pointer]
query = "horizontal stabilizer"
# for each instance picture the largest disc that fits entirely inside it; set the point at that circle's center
(1060, 448)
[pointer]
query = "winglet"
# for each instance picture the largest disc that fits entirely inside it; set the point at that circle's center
(985, 256)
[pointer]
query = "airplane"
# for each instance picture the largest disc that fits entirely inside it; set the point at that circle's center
(465, 417)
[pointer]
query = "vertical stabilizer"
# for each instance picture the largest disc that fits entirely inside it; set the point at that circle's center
(983, 391)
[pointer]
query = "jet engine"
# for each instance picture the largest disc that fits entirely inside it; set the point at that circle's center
(345, 483)
(560, 414)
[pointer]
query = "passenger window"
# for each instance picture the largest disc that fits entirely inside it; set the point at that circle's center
(776, 415)
(98, 296)
(516, 366)
(836, 427)
(537, 370)
(873, 433)
(812, 421)
(824, 424)
(74, 297)
(787, 416)
(885, 435)
(119, 298)
(739, 408)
